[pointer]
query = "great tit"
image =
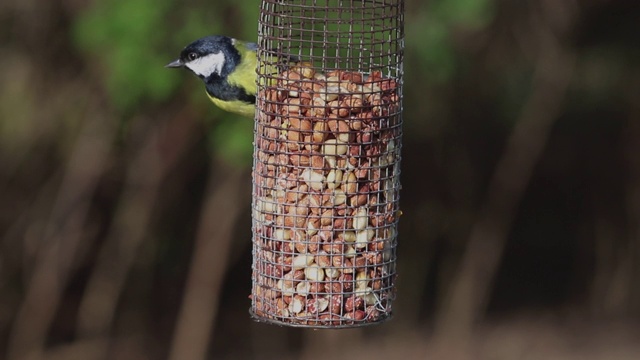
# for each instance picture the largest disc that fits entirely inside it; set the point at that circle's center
(228, 68)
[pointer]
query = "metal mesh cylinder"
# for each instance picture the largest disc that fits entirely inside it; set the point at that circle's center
(327, 161)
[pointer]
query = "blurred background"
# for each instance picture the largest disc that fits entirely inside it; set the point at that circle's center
(124, 194)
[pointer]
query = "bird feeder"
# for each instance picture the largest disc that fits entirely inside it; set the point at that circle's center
(327, 162)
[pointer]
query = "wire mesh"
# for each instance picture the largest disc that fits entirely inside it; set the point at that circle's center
(327, 162)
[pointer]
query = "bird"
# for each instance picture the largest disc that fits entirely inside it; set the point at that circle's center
(227, 67)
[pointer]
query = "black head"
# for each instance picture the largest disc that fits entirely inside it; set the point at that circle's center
(210, 56)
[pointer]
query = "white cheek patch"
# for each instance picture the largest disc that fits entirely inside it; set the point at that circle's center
(207, 65)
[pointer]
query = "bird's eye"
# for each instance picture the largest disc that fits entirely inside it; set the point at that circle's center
(192, 56)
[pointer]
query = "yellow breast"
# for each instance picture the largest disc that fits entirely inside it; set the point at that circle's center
(235, 106)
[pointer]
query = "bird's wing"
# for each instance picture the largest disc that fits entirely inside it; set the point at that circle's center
(244, 75)
(248, 66)
(252, 46)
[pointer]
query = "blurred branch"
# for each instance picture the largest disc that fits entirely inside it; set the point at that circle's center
(554, 67)
(331, 343)
(131, 221)
(210, 261)
(633, 196)
(78, 350)
(60, 242)
(119, 250)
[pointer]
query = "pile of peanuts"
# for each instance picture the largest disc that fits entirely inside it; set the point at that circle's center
(325, 197)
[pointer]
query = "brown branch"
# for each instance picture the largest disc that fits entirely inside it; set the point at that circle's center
(118, 253)
(471, 286)
(61, 239)
(210, 261)
(633, 195)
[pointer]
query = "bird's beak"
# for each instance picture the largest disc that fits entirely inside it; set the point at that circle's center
(175, 64)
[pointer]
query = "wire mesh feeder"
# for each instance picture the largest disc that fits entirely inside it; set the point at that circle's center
(327, 162)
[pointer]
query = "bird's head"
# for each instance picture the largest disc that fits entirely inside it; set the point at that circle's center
(210, 56)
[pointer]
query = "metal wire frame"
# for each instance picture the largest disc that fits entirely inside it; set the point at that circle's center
(326, 169)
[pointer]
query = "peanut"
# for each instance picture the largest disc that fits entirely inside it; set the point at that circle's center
(325, 196)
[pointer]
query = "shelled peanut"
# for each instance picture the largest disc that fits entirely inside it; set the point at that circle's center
(325, 197)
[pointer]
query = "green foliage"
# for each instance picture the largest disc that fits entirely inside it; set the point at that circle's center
(132, 40)
(127, 38)
(435, 24)
(472, 14)
(250, 13)
(232, 140)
